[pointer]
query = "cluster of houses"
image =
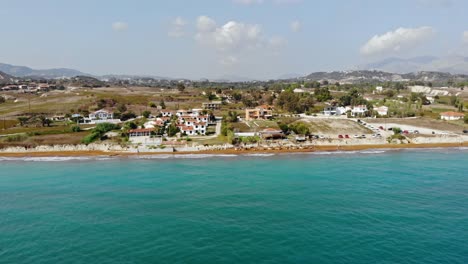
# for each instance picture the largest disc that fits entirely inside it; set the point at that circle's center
(355, 111)
(29, 88)
(190, 122)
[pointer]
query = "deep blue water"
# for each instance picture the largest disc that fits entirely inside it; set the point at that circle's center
(362, 207)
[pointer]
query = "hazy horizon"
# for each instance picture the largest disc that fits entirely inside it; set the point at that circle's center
(257, 39)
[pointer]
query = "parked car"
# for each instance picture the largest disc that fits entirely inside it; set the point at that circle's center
(465, 131)
(381, 128)
(346, 136)
(406, 132)
(416, 132)
(340, 136)
(356, 136)
(363, 136)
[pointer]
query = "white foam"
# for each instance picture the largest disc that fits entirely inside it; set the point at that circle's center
(260, 155)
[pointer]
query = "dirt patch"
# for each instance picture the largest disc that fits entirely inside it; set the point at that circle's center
(335, 127)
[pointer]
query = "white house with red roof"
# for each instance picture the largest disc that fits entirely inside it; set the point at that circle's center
(451, 115)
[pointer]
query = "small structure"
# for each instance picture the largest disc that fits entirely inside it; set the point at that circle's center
(144, 136)
(213, 105)
(271, 133)
(142, 132)
(382, 110)
(451, 115)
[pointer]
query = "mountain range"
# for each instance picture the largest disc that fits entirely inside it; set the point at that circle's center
(452, 64)
(23, 71)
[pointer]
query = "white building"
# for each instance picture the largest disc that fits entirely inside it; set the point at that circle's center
(382, 110)
(101, 115)
(359, 110)
(333, 110)
(451, 116)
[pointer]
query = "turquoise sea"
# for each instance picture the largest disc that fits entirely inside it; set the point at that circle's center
(408, 206)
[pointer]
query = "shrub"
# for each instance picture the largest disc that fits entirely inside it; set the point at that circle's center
(75, 129)
(91, 138)
(396, 130)
(16, 138)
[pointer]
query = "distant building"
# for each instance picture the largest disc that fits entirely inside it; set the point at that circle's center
(272, 133)
(382, 110)
(359, 110)
(213, 105)
(379, 89)
(451, 116)
(261, 112)
(101, 115)
(334, 110)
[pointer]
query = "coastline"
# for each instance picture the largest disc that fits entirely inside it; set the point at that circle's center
(327, 148)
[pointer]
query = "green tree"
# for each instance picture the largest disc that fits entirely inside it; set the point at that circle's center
(23, 120)
(122, 108)
(146, 114)
(322, 94)
(180, 87)
(172, 130)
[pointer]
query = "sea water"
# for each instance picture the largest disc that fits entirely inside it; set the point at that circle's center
(351, 207)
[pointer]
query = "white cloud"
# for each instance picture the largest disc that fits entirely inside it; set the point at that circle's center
(465, 37)
(397, 41)
(234, 39)
(232, 36)
(296, 26)
(205, 24)
(119, 26)
(176, 29)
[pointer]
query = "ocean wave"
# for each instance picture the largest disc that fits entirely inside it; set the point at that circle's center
(183, 156)
(50, 159)
(259, 155)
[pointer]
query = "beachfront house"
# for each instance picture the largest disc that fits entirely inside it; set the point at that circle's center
(451, 116)
(144, 136)
(272, 133)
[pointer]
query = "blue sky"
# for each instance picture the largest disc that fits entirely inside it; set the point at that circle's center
(215, 38)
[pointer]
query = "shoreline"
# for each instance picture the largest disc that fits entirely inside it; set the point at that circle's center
(330, 148)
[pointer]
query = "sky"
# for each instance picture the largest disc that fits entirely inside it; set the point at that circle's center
(195, 39)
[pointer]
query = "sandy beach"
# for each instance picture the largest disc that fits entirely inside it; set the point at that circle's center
(232, 151)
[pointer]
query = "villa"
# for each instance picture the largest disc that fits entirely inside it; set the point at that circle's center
(334, 110)
(100, 116)
(261, 112)
(359, 110)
